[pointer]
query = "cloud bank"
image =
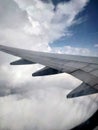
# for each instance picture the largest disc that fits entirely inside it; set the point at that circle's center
(75, 51)
(38, 103)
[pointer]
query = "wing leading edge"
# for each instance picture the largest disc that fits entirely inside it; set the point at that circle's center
(83, 68)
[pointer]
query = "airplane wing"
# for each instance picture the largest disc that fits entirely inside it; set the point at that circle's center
(82, 67)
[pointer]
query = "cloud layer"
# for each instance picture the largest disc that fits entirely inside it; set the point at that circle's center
(75, 51)
(38, 103)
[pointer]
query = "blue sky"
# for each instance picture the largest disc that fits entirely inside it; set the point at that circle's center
(85, 34)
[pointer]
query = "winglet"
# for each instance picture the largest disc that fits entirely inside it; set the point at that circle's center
(83, 90)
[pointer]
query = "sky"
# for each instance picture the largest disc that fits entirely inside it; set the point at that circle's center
(53, 26)
(85, 33)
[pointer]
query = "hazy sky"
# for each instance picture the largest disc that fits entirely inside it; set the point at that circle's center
(28, 103)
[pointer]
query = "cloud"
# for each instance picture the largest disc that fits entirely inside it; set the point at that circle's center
(11, 16)
(45, 107)
(37, 24)
(47, 23)
(96, 45)
(74, 51)
(38, 103)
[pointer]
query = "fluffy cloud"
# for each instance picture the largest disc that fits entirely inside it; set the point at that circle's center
(74, 51)
(48, 24)
(46, 106)
(38, 103)
(36, 23)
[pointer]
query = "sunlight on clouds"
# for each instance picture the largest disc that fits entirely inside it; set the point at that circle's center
(48, 24)
(41, 24)
(34, 29)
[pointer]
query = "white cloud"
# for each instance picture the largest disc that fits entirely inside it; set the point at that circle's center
(45, 107)
(38, 103)
(47, 24)
(96, 45)
(74, 51)
(40, 25)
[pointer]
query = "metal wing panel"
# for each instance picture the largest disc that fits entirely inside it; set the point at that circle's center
(86, 77)
(61, 62)
(90, 67)
(33, 56)
(26, 53)
(46, 59)
(95, 73)
(76, 64)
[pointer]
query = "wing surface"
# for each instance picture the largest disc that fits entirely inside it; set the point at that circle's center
(82, 67)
